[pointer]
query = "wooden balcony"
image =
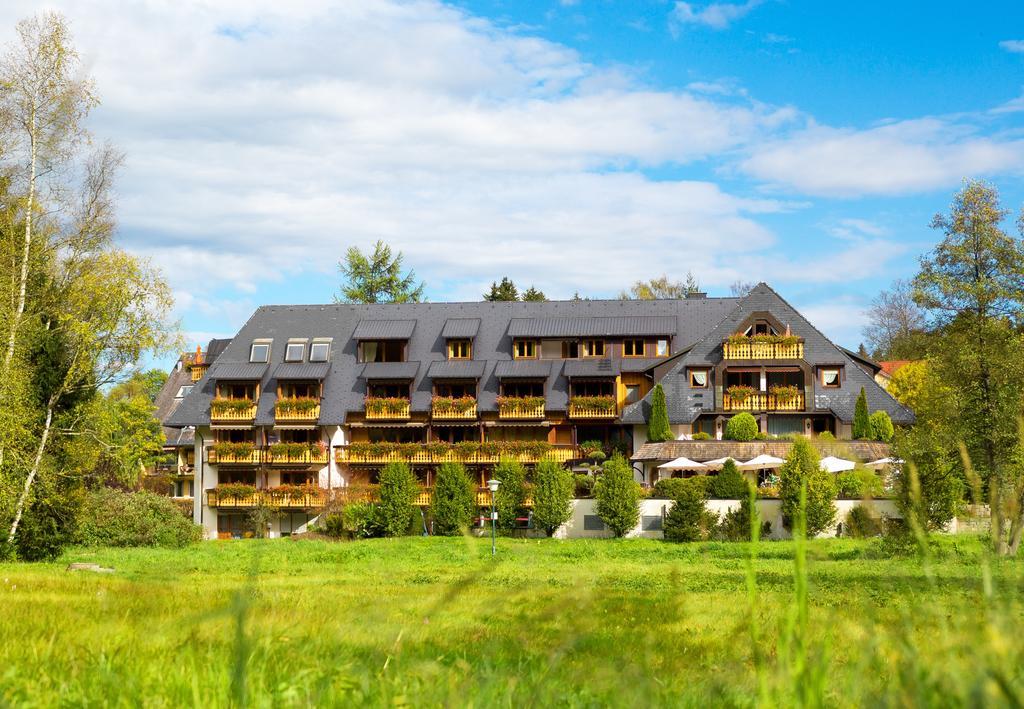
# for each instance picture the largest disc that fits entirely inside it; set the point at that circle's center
(423, 453)
(310, 456)
(514, 411)
(445, 412)
(220, 413)
(270, 498)
(255, 457)
(584, 410)
(197, 371)
(763, 350)
(393, 412)
(285, 415)
(422, 499)
(763, 402)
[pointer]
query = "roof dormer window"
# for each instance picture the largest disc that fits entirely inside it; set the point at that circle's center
(260, 351)
(296, 351)
(459, 349)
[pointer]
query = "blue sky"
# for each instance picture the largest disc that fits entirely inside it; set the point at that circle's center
(573, 145)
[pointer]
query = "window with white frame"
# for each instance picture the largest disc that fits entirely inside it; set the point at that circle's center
(260, 351)
(320, 351)
(295, 351)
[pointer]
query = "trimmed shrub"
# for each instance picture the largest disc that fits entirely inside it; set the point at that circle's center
(689, 520)
(826, 436)
(729, 484)
(618, 496)
(398, 489)
(741, 427)
(584, 485)
(670, 488)
(353, 520)
(861, 420)
(736, 524)
(510, 498)
(858, 483)
(802, 467)
(552, 496)
(453, 502)
(862, 522)
(701, 436)
(114, 518)
(881, 426)
(658, 428)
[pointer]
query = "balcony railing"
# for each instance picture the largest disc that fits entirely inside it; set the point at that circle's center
(592, 407)
(283, 413)
(520, 410)
(313, 455)
(763, 350)
(453, 412)
(387, 409)
(270, 498)
(198, 370)
(242, 411)
(764, 402)
(228, 457)
(371, 493)
(381, 454)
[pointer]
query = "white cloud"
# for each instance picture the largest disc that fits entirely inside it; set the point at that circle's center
(1014, 46)
(897, 158)
(716, 15)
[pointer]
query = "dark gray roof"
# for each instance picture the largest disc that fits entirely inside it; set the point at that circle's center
(384, 329)
(456, 369)
(523, 369)
(592, 326)
(592, 367)
(640, 364)
(238, 370)
(460, 328)
(302, 370)
(167, 398)
(685, 404)
(345, 389)
(389, 370)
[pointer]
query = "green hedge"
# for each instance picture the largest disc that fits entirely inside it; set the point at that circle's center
(114, 518)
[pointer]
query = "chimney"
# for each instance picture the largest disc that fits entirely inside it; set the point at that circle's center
(696, 294)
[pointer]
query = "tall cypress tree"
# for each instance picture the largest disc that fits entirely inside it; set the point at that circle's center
(658, 428)
(861, 420)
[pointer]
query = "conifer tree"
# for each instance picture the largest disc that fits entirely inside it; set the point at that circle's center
(658, 428)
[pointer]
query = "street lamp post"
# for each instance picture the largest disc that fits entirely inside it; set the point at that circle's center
(492, 485)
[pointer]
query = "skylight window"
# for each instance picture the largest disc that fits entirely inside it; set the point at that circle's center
(295, 352)
(319, 351)
(260, 352)
(183, 392)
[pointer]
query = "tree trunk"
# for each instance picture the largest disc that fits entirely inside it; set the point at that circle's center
(26, 249)
(23, 498)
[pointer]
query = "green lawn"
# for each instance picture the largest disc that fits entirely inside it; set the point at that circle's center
(549, 623)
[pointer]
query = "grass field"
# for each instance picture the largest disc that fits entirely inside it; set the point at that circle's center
(549, 623)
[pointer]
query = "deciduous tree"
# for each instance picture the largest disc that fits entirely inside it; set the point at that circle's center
(661, 288)
(897, 326)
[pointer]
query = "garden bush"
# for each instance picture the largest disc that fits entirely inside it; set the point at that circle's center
(583, 485)
(729, 484)
(881, 426)
(115, 518)
(701, 436)
(741, 427)
(552, 496)
(826, 436)
(689, 519)
(618, 496)
(735, 524)
(858, 483)
(352, 520)
(510, 499)
(398, 490)
(454, 501)
(862, 522)
(669, 488)
(802, 467)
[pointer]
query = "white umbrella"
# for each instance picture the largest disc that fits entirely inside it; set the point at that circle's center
(682, 463)
(717, 463)
(831, 464)
(883, 463)
(761, 461)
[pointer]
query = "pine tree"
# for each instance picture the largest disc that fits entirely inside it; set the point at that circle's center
(506, 290)
(377, 278)
(861, 420)
(658, 428)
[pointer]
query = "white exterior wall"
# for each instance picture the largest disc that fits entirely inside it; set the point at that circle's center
(770, 511)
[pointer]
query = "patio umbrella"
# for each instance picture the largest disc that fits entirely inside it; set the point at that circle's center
(883, 463)
(831, 464)
(682, 463)
(717, 463)
(761, 461)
